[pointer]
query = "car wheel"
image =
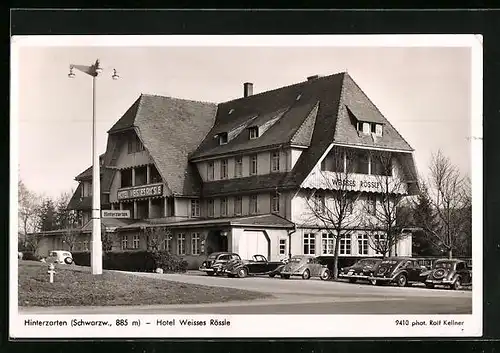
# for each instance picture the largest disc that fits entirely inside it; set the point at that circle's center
(325, 275)
(373, 282)
(272, 275)
(68, 260)
(429, 285)
(285, 276)
(457, 284)
(242, 272)
(210, 273)
(352, 280)
(401, 280)
(306, 274)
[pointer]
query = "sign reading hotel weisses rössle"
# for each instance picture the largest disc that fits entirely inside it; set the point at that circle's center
(140, 191)
(115, 213)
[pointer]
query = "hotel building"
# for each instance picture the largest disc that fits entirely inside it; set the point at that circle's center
(236, 176)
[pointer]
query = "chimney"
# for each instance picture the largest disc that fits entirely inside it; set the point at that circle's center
(247, 89)
(312, 78)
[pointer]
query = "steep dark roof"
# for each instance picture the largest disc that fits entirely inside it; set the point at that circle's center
(170, 129)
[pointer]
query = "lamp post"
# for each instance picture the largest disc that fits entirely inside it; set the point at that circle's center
(94, 70)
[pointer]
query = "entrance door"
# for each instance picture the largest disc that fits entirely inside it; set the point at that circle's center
(252, 243)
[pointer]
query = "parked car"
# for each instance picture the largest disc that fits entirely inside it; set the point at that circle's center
(305, 266)
(60, 257)
(258, 265)
(215, 262)
(402, 271)
(449, 272)
(363, 269)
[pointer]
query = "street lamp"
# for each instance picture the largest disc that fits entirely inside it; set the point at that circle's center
(94, 70)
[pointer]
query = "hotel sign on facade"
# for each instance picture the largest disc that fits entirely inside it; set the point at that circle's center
(140, 192)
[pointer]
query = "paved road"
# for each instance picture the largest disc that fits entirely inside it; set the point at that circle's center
(297, 296)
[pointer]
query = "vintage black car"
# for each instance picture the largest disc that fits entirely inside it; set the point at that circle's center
(258, 265)
(216, 262)
(402, 271)
(449, 272)
(361, 270)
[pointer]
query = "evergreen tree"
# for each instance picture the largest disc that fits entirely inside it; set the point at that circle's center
(424, 244)
(48, 216)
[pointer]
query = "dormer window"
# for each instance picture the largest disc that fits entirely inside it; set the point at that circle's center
(254, 132)
(222, 138)
(378, 129)
(366, 128)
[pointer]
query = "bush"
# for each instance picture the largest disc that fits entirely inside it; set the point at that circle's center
(135, 261)
(30, 256)
(169, 262)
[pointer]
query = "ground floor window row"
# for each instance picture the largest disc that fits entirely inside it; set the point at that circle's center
(346, 244)
(191, 243)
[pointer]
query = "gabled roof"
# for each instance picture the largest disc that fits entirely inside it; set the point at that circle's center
(170, 129)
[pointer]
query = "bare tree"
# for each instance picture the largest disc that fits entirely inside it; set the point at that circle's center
(29, 210)
(156, 236)
(70, 237)
(330, 203)
(380, 216)
(450, 196)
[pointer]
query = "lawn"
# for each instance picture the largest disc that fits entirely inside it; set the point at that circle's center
(76, 286)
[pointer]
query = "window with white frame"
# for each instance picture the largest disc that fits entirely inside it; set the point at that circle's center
(319, 202)
(238, 167)
(223, 169)
(195, 208)
(345, 244)
(210, 171)
(275, 202)
(135, 241)
(85, 245)
(253, 132)
(309, 244)
(282, 250)
(210, 208)
(327, 243)
(238, 203)
(165, 244)
(371, 204)
(253, 204)
(181, 244)
(275, 161)
(253, 164)
(379, 243)
(195, 244)
(363, 244)
(223, 206)
(222, 138)
(124, 242)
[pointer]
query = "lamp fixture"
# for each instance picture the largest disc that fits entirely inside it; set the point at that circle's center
(115, 75)
(71, 73)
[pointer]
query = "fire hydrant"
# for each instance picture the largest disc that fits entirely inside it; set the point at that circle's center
(51, 273)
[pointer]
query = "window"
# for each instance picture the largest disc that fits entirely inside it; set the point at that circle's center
(282, 249)
(327, 243)
(124, 242)
(363, 244)
(210, 208)
(381, 165)
(366, 128)
(223, 169)
(165, 244)
(222, 138)
(371, 204)
(195, 208)
(85, 245)
(237, 205)
(319, 202)
(378, 129)
(345, 245)
(362, 162)
(238, 167)
(135, 145)
(253, 164)
(135, 241)
(195, 244)
(254, 132)
(309, 246)
(181, 244)
(253, 204)
(379, 243)
(275, 162)
(223, 206)
(210, 171)
(275, 202)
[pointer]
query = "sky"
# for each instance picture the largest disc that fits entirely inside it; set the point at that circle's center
(425, 92)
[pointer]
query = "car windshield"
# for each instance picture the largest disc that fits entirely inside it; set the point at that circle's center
(389, 262)
(53, 253)
(67, 254)
(295, 259)
(367, 262)
(443, 264)
(213, 256)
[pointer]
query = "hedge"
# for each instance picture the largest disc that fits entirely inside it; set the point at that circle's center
(30, 256)
(135, 261)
